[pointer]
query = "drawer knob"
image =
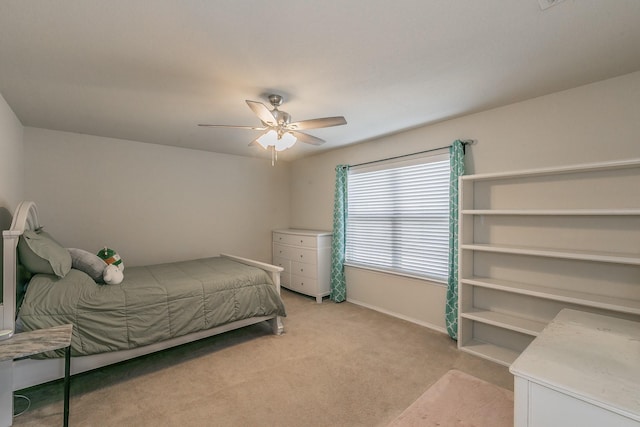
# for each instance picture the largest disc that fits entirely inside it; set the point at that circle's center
(301, 241)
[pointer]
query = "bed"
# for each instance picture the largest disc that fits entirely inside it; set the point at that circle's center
(154, 308)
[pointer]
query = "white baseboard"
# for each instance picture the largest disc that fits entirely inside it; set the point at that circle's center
(399, 316)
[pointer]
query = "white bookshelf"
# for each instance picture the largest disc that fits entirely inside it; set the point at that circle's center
(536, 241)
(577, 254)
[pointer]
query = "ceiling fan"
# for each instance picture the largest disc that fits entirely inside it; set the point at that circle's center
(279, 133)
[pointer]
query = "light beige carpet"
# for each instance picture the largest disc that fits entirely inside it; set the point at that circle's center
(460, 400)
(337, 365)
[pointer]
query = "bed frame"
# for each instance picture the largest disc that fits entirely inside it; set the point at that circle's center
(30, 372)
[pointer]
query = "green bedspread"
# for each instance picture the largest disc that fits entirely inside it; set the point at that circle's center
(152, 304)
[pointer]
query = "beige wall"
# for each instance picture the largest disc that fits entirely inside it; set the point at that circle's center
(591, 123)
(11, 153)
(153, 203)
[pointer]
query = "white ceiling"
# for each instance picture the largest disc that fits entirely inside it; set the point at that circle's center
(152, 70)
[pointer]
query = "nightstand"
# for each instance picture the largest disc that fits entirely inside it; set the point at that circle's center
(27, 344)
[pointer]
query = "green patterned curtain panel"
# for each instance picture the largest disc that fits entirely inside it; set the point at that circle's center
(338, 242)
(456, 157)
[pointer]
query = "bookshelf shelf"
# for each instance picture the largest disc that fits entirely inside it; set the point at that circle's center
(532, 242)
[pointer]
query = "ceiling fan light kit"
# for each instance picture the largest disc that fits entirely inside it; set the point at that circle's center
(279, 142)
(279, 133)
(276, 142)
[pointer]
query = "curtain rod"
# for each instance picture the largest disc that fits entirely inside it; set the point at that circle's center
(464, 142)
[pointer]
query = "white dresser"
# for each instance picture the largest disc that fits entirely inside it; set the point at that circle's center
(305, 256)
(583, 370)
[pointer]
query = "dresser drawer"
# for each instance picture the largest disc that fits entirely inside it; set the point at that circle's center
(282, 262)
(285, 276)
(295, 254)
(284, 252)
(308, 256)
(295, 240)
(304, 270)
(304, 285)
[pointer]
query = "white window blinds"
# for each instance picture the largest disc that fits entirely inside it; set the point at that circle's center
(398, 217)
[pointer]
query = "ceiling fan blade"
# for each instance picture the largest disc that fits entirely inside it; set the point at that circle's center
(306, 138)
(262, 112)
(318, 123)
(233, 127)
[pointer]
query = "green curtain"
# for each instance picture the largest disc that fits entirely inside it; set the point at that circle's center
(456, 158)
(338, 241)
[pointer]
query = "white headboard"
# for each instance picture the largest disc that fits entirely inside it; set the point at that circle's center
(24, 218)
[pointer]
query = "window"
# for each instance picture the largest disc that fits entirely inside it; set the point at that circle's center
(398, 217)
